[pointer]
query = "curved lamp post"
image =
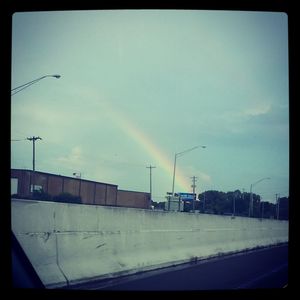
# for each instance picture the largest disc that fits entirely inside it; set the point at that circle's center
(26, 85)
(251, 195)
(177, 155)
(174, 171)
(34, 138)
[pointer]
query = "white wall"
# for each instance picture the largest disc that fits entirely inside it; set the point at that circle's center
(13, 186)
(71, 243)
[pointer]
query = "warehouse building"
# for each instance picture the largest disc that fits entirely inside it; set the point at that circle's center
(23, 182)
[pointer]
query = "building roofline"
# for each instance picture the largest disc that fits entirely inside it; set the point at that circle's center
(69, 177)
(133, 191)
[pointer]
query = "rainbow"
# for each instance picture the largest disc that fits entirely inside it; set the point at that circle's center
(146, 143)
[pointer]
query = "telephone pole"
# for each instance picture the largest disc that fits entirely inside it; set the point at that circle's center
(33, 139)
(150, 167)
(194, 186)
(277, 205)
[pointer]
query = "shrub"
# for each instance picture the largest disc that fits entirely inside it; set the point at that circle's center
(41, 195)
(67, 198)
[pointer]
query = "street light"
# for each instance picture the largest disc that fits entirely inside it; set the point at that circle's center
(26, 85)
(177, 155)
(251, 195)
(77, 175)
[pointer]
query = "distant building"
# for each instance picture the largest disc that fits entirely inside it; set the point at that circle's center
(23, 182)
(174, 203)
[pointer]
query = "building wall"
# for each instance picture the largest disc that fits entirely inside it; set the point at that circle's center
(23, 177)
(55, 185)
(87, 192)
(71, 186)
(100, 194)
(111, 196)
(133, 199)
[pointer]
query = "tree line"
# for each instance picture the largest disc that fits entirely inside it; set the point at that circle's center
(235, 203)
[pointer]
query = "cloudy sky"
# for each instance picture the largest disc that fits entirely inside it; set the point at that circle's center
(138, 86)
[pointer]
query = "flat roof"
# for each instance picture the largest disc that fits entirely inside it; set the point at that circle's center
(69, 177)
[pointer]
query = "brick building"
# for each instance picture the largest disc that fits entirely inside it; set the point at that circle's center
(90, 192)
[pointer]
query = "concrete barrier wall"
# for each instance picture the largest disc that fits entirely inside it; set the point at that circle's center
(72, 243)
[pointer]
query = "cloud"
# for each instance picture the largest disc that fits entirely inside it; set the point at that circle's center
(189, 171)
(240, 114)
(204, 177)
(260, 109)
(235, 121)
(74, 159)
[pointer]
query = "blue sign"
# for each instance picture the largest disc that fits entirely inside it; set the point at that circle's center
(187, 196)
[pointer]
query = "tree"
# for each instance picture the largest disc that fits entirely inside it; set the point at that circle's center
(226, 203)
(41, 195)
(283, 208)
(268, 210)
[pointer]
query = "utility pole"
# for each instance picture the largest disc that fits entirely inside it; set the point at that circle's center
(234, 196)
(251, 196)
(277, 205)
(251, 202)
(150, 167)
(33, 139)
(194, 186)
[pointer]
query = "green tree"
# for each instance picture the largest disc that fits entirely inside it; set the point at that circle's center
(283, 208)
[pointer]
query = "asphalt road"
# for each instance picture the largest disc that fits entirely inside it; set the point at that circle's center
(264, 268)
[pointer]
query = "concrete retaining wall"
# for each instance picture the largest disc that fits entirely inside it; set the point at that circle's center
(71, 243)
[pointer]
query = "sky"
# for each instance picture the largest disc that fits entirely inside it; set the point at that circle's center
(138, 87)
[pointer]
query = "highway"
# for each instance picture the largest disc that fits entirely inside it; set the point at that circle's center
(260, 269)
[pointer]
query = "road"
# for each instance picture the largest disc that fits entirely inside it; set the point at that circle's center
(264, 268)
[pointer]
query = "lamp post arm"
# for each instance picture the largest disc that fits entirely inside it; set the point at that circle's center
(26, 85)
(177, 155)
(259, 181)
(188, 150)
